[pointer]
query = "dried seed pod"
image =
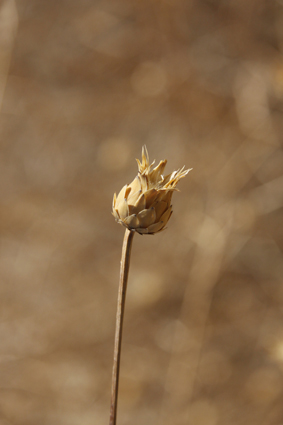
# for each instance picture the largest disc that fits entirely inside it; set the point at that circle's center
(145, 204)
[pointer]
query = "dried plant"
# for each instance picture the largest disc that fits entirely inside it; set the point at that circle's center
(145, 207)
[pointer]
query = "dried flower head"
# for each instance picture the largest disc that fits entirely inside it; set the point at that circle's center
(145, 204)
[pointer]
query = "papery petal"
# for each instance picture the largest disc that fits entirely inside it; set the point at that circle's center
(172, 179)
(139, 206)
(132, 222)
(147, 217)
(144, 182)
(115, 214)
(156, 173)
(167, 196)
(127, 192)
(114, 201)
(121, 195)
(156, 227)
(160, 207)
(132, 199)
(144, 166)
(141, 230)
(165, 217)
(135, 185)
(123, 209)
(150, 196)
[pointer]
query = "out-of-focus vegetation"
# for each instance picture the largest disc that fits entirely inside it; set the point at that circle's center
(83, 85)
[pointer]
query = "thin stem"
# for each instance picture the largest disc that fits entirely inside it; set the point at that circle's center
(124, 271)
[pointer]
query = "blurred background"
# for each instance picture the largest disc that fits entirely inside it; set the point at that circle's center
(83, 85)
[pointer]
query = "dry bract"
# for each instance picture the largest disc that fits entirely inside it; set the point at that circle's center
(145, 204)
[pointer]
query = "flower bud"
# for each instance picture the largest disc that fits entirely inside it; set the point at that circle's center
(145, 205)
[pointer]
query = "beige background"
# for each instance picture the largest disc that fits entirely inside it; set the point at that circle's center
(83, 85)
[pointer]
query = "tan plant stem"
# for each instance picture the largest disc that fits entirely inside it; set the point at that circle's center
(124, 271)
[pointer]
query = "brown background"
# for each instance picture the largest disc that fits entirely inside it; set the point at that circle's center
(83, 85)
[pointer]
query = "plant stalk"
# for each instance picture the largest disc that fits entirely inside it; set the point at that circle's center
(124, 271)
